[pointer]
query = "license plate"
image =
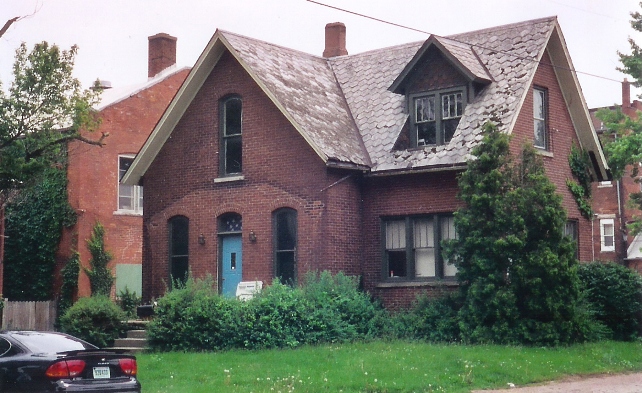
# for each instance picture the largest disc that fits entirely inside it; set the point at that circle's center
(101, 372)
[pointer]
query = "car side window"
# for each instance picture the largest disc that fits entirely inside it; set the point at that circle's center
(5, 347)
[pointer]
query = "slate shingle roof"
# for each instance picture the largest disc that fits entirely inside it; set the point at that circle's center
(345, 107)
(308, 91)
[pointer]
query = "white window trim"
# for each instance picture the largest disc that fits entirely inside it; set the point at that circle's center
(544, 120)
(603, 223)
(137, 199)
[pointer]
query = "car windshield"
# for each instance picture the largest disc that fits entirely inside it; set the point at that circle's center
(50, 342)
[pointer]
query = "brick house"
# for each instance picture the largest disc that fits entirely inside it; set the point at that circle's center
(271, 162)
(611, 241)
(128, 115)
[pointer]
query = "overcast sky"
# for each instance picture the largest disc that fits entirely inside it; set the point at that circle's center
(112, 34)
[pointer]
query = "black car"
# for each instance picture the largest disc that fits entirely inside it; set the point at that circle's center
(56, 362)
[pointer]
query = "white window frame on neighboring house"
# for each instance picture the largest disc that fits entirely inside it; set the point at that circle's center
(607, 235)
(133, 194)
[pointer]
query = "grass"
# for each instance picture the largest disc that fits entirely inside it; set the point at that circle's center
(383, 367)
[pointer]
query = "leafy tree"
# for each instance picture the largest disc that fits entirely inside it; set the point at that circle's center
(516, 268)
(623, 143)
(100, 277)
(34, 222)
(632, 63)
(44, 108)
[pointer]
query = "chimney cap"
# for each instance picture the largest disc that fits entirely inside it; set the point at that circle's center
(162, 35)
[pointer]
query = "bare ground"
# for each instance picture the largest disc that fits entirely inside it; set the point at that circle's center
(621, 383)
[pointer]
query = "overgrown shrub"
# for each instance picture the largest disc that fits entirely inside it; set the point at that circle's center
(95, 319)
(339, 295)
(128, 301)
(324, 309)
(435, 320)
(280, 317)
(194, 317)
(614, 293)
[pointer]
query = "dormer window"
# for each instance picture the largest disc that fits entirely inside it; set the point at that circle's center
(435, 116)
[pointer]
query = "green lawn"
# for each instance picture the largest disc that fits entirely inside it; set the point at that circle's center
(379, 367)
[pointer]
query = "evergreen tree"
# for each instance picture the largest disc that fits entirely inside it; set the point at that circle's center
(516, 268)
(100, 277)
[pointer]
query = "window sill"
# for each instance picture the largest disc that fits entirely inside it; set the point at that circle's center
(543, 152)
(128, 213)
(449, 282)
(229, 179)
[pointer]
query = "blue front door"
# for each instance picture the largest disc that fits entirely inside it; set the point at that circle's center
(232, 261)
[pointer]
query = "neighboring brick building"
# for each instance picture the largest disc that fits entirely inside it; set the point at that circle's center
(610, 204)
(270, 162)
(128, 115)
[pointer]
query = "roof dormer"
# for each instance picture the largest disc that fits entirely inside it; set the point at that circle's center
(440, 52)
(438, 82)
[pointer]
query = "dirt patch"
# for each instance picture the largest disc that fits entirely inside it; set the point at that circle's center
(621, 383)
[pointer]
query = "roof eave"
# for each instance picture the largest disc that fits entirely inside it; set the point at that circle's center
(575, 102)
(217, 45)
(175, 110)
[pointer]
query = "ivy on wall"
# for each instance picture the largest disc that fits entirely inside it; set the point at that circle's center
(580, 185)
(34, 223)
(69, 287)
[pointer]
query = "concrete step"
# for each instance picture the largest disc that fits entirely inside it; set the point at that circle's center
(131, 342)
(136, 341)
(136, 334)
(129, 350)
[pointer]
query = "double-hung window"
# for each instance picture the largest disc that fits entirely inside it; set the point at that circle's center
(412, 247)
(435, 116)
(540, 105)
(130, 198)
(571, 229)
(607, 235)
(231, 152)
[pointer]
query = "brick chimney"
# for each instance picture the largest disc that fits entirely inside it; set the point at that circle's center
(335, 40)
(626, 93)
(162, 53)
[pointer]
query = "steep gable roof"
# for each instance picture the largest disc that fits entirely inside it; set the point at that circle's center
(344, 108)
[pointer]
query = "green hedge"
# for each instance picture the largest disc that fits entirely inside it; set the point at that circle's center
(614, 294)
(95, 319)
(325, 309)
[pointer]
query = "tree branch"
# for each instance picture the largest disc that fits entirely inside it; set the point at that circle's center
(7, 25)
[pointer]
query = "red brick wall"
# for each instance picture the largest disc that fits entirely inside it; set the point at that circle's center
(428, 193)
(338, 216)
(280, 170)
(562, 137)
(93, 177)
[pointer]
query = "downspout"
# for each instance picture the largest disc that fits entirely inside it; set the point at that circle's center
(593, 237)
(623, 239)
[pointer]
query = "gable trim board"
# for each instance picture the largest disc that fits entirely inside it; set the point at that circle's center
(337, 130)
